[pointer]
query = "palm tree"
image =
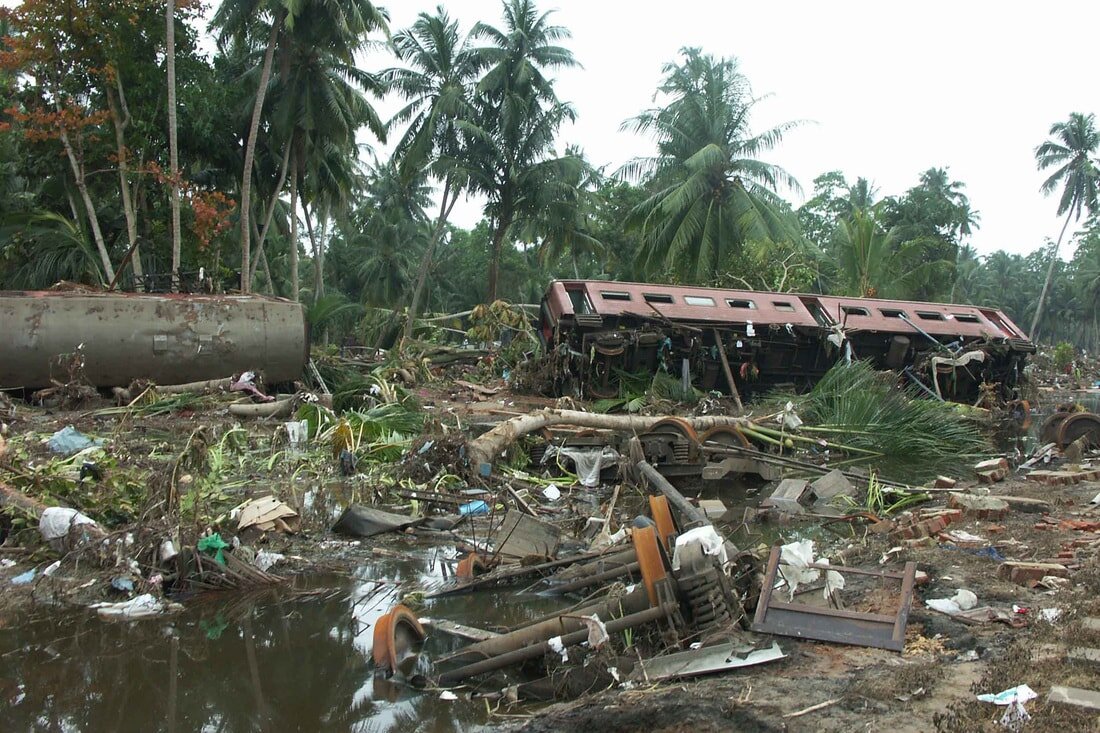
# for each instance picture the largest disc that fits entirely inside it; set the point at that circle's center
(711, 193)
(173, 147)
(872, 262)
(1073, 150)
(338, 30)
(437, 84)
(519, 115)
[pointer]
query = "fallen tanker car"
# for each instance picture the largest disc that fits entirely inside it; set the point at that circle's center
(168, 338)
(742, 342)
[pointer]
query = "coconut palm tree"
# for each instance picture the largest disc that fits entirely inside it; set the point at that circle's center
(437, 84)
(872, 262)
(1072, 149)
(518, 117)
(711, 192)
(173, 147)
(345, 26)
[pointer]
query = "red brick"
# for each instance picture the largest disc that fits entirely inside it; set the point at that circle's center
(1030, 573)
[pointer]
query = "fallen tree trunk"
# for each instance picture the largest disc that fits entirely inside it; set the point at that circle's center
(208, 386)
(15, 499)
(483, 449)
(279, 408)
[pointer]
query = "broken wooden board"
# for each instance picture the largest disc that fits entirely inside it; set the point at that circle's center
(830, 624)
(695, 662)
(461, 631)
(522, 536)
(787, 496)
(717, 470)
(1089, 699)
(365, 521)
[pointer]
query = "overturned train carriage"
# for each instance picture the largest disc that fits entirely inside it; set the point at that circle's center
(600, 330)
(166, 338)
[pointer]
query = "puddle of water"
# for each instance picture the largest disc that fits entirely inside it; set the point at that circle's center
(291, 659)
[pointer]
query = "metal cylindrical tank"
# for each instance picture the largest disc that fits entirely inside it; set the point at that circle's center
(167, 338)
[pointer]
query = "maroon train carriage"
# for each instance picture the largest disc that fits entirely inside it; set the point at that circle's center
(602, 329)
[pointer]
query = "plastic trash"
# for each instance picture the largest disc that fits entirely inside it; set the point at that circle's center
(1013, 698)
(552, 493)
(126, 585)
(963, 600)
(143, 606)
(795, 557)
(68, 441)
(24, 578)
(556, 645)
(474, 509)
(213, 544)
(597, 632)
(297, 436)
(266, 560)
(57, 521)
(588, 461)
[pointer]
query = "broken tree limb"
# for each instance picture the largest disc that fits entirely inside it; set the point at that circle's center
(726, 369)
(689, 511)
(15, 499)
(209, 386)
(279, 408)
(483, 449)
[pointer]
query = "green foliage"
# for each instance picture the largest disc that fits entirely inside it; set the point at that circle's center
(710, 193)
(1064, 354)
(916, 439)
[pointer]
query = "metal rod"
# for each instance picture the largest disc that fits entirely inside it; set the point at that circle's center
(627, 569)
(690, 512)
(539, 649)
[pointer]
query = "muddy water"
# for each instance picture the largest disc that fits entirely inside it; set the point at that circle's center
(293, 659)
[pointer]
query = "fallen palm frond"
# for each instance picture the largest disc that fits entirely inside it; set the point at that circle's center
(165, 405)
(914, 439)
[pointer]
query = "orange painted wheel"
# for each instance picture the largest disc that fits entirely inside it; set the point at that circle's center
(723, 435)
(394, 634)
(472, 566)
(1079, 425)
(662, 515)
(681, 436)
(651, 560)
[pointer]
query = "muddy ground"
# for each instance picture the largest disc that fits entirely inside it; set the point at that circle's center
(819, 686)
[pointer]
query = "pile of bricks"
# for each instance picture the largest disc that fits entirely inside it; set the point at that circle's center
(924, 525)
(978, 507)
(1065, 478)
(1030, 573)
(992, 471)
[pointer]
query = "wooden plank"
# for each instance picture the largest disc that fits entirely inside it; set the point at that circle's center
(1089, 699)
(726, 369)
(522, 536)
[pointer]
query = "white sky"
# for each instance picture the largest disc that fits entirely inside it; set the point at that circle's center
(891, 89)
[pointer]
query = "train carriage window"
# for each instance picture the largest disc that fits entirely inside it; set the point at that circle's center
(782, 305)
(739, 303)
(930, 316)
(892, 312)
(614, 295)
(579, 299)
(966, 318)
(698, 300)
(855, 310)
(657, 297)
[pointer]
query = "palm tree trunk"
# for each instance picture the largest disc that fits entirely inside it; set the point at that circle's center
(262, 236)
(494, 261)
(173, 146)
(445, 207)
(120, 118)
(250, 149)
(89, 207)
(294, 286)
(1046, 284)
(318, 277)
